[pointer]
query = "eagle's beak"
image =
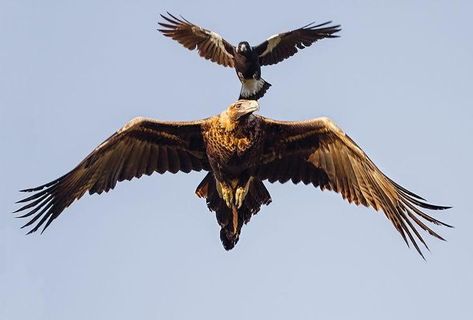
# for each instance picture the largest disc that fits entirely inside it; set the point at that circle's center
(249, 106)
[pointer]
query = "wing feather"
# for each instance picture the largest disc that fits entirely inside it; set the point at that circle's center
(284, 45)
(335, 162)
(210, 45)
(142, 146)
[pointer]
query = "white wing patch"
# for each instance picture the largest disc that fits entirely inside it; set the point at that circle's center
(273, 41)
(218, 41)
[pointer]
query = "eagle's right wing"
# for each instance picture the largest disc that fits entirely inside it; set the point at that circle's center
(142, 146)
(209, 44)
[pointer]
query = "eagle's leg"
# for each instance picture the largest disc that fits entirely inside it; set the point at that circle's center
(234, 193)
(241, 192)
(225, 192)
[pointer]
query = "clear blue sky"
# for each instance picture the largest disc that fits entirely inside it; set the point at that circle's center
(398, 80)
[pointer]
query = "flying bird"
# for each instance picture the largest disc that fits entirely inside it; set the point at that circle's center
(239, 150)
(246, 60)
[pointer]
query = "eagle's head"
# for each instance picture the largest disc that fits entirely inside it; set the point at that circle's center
(242, 108)
(237, 112)
(243, 48)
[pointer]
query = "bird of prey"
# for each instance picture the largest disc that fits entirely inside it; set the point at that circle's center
(246, 60)
(239, 150)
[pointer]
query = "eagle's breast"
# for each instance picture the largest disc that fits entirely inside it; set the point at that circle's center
(232, 149)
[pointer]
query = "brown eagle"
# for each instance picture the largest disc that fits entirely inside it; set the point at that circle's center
(239, 150)
(246, 60)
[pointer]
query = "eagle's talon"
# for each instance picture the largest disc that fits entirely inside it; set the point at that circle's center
(227, 194)
(240, 194)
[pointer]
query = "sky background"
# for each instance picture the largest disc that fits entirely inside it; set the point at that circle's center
(398, 80)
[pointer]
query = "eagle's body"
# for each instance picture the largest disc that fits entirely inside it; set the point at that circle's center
(247, 60)
(234, 144)
(239, 150)
(233, 149)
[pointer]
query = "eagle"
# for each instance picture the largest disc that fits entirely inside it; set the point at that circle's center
(246, 60)
(239, 150)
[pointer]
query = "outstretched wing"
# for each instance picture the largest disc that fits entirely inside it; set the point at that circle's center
(142, 146)
(284, 45)
(210, 45)
(318, 152)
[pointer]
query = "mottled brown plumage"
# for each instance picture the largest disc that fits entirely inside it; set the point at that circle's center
(239, 150)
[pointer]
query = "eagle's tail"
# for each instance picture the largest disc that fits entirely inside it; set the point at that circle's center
(253, 89)
(231, 227)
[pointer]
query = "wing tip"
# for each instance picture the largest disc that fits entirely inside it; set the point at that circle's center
(174, 19)
(313, 26)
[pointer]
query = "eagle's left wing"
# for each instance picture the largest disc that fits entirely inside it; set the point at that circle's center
(284, 45)
(318, 152)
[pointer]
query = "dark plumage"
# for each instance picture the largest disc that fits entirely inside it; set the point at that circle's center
(239, 150)
(246, 60)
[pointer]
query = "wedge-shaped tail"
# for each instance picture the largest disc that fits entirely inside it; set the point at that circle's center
(232, 219)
